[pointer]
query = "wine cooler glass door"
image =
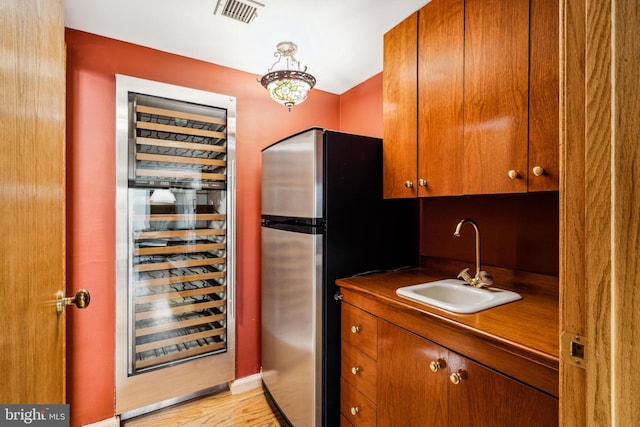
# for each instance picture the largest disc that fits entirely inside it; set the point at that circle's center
(175, 243)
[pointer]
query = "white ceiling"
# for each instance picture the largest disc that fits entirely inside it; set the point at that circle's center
(340, 41)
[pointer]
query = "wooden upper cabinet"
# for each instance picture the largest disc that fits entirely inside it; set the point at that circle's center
(471, 90)
(496, 101)
(399, 90)
(544, 94)
(440, 97)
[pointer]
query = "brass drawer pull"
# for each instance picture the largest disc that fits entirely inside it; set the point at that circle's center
(436, 365)
(457, 377)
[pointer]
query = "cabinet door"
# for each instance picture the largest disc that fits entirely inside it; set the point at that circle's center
(487, 398)
(496, 81)
(544, 80)
(409, 392)
(399, 94)
(440, 96)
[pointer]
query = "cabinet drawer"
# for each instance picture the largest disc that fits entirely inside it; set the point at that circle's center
(355, 407)
(360, 370)
(360, 329)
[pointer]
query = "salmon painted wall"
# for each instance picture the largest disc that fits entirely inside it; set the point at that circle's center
(92, 63)
(361, 108)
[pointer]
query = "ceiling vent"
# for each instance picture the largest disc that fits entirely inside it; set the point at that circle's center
(243, 11)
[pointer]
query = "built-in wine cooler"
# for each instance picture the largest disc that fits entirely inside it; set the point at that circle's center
(175, 243)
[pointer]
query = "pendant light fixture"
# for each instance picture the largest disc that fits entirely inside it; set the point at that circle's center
(290, 85)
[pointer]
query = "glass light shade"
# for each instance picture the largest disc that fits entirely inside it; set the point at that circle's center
(288, 87)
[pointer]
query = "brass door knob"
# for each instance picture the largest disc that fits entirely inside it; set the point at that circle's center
(81, 299)
(408, 184)
(538, 170)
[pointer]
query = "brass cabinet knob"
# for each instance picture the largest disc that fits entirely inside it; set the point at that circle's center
(513, 174)
(422, 182)
(457, 377)
(408, 184)
(81, 299)
(355, 410)
(436, 365)
(538, 170)
(355, 329)
(355, 370)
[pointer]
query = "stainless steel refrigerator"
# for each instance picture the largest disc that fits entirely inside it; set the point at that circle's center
(323, 218)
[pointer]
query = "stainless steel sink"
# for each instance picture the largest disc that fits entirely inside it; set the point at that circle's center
(457, 296)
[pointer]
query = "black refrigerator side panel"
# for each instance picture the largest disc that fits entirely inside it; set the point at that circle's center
(363, 233)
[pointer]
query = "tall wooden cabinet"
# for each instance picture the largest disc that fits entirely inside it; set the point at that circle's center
(544, 96)
(496, 96)
(440, 98)
(486, 99)
(399, 109)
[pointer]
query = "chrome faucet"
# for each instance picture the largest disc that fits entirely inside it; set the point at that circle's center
(482, 279)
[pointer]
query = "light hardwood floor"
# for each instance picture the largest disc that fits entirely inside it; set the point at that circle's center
(249, 409)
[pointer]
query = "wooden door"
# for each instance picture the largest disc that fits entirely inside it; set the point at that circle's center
(484, 397)
(440, 103)
(600, 210)
(409, 392)
(399, 95)
(496, 81)
(32, 218)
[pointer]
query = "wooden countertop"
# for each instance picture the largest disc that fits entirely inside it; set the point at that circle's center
(520, 339)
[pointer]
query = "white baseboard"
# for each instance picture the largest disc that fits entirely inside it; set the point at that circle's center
(111, 422)
(242, 385)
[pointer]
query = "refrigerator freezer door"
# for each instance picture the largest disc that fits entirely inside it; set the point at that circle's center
(292, 176)
(291, 323)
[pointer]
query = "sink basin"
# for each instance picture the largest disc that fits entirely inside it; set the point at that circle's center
(456, 296)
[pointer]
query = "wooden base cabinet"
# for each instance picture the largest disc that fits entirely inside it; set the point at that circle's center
(391, 376)
(358, 371)
(424, 384)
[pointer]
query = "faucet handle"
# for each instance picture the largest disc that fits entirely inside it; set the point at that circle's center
(464, 275)
(485, 279)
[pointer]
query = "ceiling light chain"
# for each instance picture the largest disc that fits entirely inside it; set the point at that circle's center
(291, 85)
